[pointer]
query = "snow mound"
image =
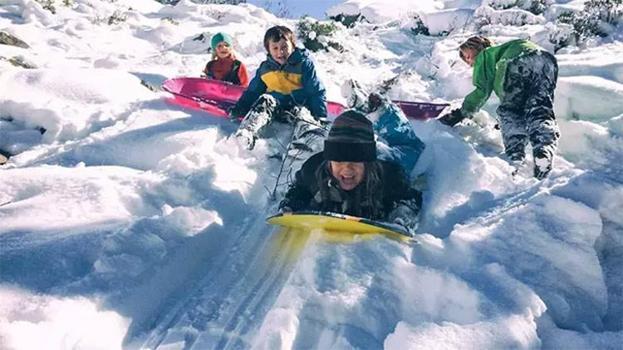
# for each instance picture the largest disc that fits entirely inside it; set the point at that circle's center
(68, 103)
(588, 98)
(30, 321)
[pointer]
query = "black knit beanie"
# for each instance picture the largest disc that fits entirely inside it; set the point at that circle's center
(351, 139)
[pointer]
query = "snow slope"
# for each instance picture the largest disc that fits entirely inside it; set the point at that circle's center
(127, 222)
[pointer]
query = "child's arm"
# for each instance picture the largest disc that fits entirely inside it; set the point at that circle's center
(314, 90)
(298, 195)
(243, 76)
(253, 91)
(484, 75)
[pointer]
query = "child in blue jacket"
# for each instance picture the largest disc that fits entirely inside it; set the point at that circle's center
(397, 141)
(285, 87)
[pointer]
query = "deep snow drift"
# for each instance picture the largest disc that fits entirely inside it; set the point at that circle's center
(129, 222)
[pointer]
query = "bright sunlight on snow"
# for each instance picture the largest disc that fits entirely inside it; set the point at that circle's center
(127, 221)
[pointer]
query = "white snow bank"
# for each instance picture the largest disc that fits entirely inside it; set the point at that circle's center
(593, 146)
(43, 199)
(515, 331)
(585, 65)
(540, 242)
(616, 125)
(460, 180)
(377, 11)
(31, 321)
(441, 22)
(588, 98)
(68, 103)
(16, 138)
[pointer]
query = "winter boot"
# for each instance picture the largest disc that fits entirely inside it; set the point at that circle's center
(259, 116)
(543, 160)
(307, 140)
(355, 95)
(245, 138)
(375, 101)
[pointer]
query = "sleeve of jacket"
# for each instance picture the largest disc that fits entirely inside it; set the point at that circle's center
(243, 75)
(484, 75)
(401, 199)
(298, 195)
(314, 90)
(254, 90)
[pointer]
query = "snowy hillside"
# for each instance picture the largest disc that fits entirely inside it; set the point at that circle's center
(129, 222)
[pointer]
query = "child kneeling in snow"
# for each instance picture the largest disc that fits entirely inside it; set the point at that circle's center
(285, 87)
(224, 65)
(524, 76)
(347, 178)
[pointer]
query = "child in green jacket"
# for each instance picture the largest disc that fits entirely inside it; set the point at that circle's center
(523, 75)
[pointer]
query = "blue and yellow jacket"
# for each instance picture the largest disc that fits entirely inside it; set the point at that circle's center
(294, 83)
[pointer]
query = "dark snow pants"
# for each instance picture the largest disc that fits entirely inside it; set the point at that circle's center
(526, 110)
(267, 108)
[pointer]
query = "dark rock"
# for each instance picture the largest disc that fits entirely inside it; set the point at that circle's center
(8, 39)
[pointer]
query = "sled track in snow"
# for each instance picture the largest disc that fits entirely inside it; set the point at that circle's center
(262, 295)
(230, 301)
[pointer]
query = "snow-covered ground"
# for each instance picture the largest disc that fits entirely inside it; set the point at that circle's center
(126, 221)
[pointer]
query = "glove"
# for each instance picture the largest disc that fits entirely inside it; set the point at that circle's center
(406, 214)
(452, 118)
(284, 206)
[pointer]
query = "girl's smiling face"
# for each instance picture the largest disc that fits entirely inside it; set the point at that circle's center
(348, 174)
(223, 50)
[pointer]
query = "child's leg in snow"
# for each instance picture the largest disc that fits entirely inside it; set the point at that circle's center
(541, 121)
(514, 136)
(512, 112)
(260, 115)
(397, 140)
(308, 132)
(356, 96)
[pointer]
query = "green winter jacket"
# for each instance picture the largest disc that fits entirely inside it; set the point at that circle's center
(489, 72)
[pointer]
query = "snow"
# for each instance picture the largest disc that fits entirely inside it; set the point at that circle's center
(377, 11)
(66, 322)
(129, 222)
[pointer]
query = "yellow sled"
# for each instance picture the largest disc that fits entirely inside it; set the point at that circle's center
(339, 227)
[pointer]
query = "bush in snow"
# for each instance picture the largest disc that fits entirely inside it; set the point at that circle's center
(561, 35)
(20, 61)
(9, 39)
(536, 7)
(315, 34)
(49, 4)
(486, 15)
(117, 17)
(170, 20)
(230, 2)
(348, 21)
(418, 26)
(598, 19)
